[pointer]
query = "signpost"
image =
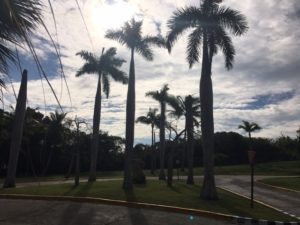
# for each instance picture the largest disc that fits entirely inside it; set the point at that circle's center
(251, 158)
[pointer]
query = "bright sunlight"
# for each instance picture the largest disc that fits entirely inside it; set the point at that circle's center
(113, 15)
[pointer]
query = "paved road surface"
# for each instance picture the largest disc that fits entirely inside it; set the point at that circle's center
(33, 212)
(284, 200)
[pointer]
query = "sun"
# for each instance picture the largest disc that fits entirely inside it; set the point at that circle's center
(113, 15)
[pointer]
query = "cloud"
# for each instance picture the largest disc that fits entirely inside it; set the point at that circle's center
(263, 86)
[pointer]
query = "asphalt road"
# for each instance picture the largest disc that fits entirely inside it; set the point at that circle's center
(284, 200)
(34, 212)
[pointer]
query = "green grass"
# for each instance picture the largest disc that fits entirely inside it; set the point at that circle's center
(157, 192)
(271, 168)
(284, 182)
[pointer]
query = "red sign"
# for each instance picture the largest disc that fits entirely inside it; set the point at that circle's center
(251, 156)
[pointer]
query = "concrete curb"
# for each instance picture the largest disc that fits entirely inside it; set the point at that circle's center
(195, 212)
(246, 220)
(276, 187)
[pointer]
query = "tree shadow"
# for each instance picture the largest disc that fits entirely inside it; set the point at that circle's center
(67, 193)
(135, 214)
(83, 190)
(72, 215)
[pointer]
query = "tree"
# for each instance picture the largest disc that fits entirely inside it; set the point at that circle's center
(150, 119)
(188, 107)
(130, 35)
(249, 127)
(162, 97)
(18, 18)
(17, 133)
(104, 65)
(208, 23)
(54, 137)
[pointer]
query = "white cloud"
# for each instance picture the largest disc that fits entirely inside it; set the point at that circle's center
(266, 62)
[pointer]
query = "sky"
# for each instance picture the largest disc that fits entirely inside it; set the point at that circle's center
(263, 86)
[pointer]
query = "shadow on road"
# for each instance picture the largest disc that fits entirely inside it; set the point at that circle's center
(135, 214)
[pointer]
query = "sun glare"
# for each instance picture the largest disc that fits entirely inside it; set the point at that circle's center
(111, 16)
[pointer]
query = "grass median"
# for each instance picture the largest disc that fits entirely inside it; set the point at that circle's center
(292, 183)
(157, 192)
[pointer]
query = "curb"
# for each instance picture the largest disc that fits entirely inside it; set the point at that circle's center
(276, 187)
(246, 220)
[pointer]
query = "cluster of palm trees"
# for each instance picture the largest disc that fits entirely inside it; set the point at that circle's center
(208, 24)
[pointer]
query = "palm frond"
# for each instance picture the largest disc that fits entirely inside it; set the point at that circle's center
(145, 51)
(87, 56)
(87, 68)
(226, 45)
(117, 35)
(158, 41)
(232, 20)
(2, 83)
(154, 94)
(181, 20)
(193, 51)
(143, 119)
(117, 75)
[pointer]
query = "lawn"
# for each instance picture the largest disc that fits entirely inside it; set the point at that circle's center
(271, 168)
(284, 182)
(157, 192)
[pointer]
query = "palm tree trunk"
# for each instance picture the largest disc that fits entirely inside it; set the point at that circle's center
(183, 151)
(68, 174)
(152, 149)
(96, 127)
(190, 140)
(170, 165)
(129, 135)
(17, 132)
(208, 191)
(162, 175)
(77, 167)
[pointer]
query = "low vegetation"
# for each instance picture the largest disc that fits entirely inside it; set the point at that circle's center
(157, 192)
(292, 183)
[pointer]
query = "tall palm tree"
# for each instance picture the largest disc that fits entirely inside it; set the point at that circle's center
(17, 133)
(188, 107)
(150, 119)
(209, 23)
(249, 127)
(130, 35)
(104, 65)
(162, 97)
(17, 19)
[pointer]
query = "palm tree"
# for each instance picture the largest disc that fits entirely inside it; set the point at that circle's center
(162, 97)
(17, 133)
(188, 107)
(150, 119)
(208, 23)
(130, 35)
(18, 18)
(249, 127)
(54, 136)
(104, 65)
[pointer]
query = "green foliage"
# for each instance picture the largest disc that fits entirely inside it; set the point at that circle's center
(17, 19)
(104, 65)
(284, 182)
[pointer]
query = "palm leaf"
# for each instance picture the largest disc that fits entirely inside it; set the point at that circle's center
(181, 20)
